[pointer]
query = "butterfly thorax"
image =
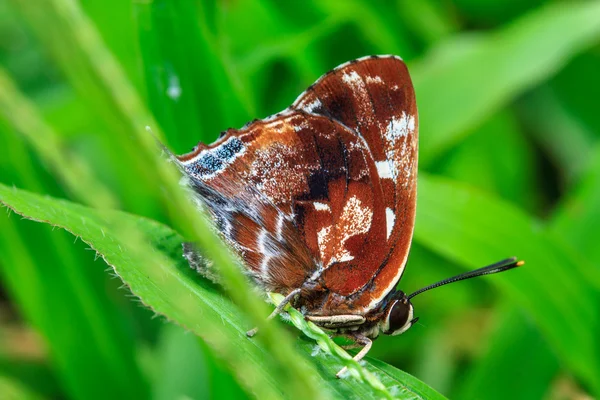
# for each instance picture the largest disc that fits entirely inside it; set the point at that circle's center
(391, 316)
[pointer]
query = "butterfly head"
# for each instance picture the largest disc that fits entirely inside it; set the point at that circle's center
(398, 315)
(398, 312)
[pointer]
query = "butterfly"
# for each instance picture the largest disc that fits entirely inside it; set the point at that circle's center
(319, 200)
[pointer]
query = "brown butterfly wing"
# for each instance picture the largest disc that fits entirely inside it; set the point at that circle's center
(375, 98)
(323, 192)
(294, 195)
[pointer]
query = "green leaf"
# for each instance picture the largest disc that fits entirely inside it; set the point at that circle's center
(518, 363)
(577, 218)
(182, 370)
(377, 25)
(177, 292)
(468, 78)
(42, 271)
(71, 40)
(31, 374)
(84, 333)
(509, 166)
(189, 80)
(14, 390)
(574, 89)
(113, 20)
(427, 20)
(474, 230)
(564, 137)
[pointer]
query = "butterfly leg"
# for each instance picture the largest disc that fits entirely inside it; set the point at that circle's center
(351, 346)
(277, 309)
(359, 340)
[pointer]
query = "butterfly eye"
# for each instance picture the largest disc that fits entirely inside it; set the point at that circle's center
(399, 318)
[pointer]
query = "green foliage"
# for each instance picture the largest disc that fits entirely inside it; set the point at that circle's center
(480, 73)
(510, 165)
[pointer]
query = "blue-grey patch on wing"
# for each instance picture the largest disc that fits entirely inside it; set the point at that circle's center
(212, 161)
(207, 164)
(228, 150)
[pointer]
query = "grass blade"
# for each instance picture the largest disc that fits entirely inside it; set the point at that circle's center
(43, 281)
(509, 167)
(14, 390)
(474, 230)
(34, 375)
(189, 91)
(576, 219)
(518, 363)
(563, 136)
(468, 78)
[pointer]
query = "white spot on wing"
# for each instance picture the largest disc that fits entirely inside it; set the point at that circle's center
(390, 218)
(356, 218)
(400, 127)
(374, 79)
(323, 238)
(310, 107)
(262, 248)
(267, 250)
(398, 146)
(383, 169)
(279, 226)
(352, 78)
(321, 206)
(345, 256)
(316, 275)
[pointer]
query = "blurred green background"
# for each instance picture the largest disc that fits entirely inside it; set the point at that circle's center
(508, 95)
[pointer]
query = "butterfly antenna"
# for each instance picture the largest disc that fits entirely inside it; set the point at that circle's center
(500, 266)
